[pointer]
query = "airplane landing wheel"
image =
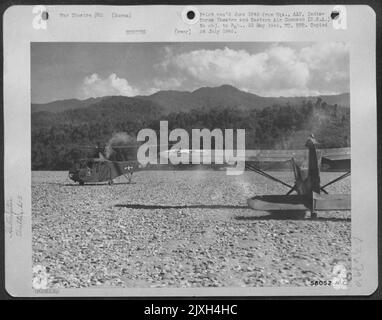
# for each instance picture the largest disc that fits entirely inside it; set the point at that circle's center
(81, 183)
(313, 215)
(110, 182)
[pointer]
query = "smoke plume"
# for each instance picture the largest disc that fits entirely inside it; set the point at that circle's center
(121, 139)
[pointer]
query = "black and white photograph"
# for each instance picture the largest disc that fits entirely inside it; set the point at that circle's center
(160, 165)
(190, 151)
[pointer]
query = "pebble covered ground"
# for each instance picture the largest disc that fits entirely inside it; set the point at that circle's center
(181, 229)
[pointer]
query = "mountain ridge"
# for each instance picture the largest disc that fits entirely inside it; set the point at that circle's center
(183, 101)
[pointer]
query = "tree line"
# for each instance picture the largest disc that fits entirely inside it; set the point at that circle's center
(56, 143)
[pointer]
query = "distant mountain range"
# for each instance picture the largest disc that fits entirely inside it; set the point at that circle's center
(184, 101)
(60, 127)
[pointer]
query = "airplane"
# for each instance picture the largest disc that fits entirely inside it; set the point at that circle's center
(310, 194)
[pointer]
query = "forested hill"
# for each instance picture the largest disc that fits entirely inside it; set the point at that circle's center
(109, 111)
(55, 135)
(227, 96)
(217, 97)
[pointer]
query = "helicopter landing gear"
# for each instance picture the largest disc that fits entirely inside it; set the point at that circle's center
(128, 176)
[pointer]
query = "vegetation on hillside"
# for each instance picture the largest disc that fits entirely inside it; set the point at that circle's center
(57, 136)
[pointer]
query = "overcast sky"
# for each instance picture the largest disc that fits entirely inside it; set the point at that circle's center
(83, 70)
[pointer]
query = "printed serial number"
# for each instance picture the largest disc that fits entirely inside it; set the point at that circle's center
(197, 309)
(320, 283)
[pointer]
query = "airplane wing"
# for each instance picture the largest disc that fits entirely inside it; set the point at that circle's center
(257, 156)
(274, 159)
(336, 158)
(274, 155)
(336, 154)
(332, 154)
(268, 159)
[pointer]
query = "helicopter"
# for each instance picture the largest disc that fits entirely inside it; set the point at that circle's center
(102, 168)
(107, 163)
